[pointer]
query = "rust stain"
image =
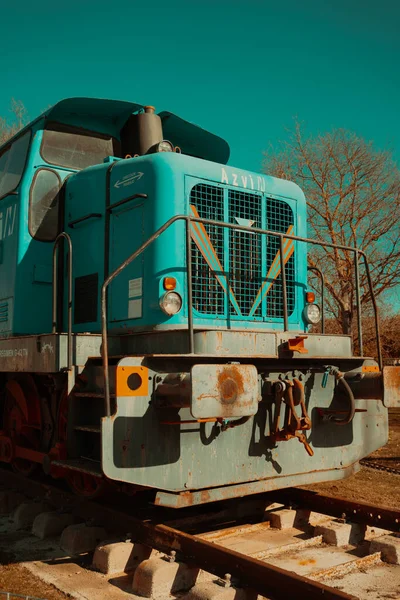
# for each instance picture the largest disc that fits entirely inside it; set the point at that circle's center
(307, 561)
(219, 341)
(230, 384)
(391, 385)
(205, 496)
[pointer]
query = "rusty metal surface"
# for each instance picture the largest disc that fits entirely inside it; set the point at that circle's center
(49, 353)
(391, 386)
(224, 391)
(371, 464)
(359, 512)
(203, 458)
(317, 345)
(227, 343)
(294, 426)
(266, 579)
(185, 499)
(29, 354)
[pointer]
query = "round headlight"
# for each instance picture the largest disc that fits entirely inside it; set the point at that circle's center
(164, 146)
(171, 303)
(312, 314)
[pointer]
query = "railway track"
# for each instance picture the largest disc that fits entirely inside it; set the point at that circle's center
(375, 464)
(274, 544)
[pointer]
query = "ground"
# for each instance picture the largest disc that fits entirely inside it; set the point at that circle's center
(15, 578)
(369, 485)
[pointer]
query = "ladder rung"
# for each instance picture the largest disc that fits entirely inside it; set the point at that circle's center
(89, 428)
(82, 465)
(91, 395)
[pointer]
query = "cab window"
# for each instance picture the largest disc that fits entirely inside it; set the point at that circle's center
(76, 148)
(44, 205)
(12, 164)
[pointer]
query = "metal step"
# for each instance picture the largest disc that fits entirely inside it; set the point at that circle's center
(89, 428)
(91, 395)
(79, 464)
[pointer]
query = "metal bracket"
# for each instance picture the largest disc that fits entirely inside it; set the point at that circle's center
(297, 344)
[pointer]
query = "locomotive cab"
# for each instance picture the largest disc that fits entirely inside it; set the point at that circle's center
(34, 167)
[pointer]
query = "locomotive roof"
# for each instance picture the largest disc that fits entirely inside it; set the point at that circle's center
(114, 113)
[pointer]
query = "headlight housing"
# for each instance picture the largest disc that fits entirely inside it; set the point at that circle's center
(171, 303)
(164, 146)
(312, 314)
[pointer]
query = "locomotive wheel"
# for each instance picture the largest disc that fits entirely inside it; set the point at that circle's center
(82, 484)
(21, 419)
(85, 485)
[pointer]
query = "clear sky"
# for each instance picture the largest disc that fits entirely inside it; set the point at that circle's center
(242, 69)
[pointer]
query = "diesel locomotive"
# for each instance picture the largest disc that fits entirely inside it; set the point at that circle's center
(157, 329)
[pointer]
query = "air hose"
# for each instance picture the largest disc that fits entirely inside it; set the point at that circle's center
(228, 424)
(352, 409)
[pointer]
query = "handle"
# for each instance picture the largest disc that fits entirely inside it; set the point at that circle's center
(85, 218)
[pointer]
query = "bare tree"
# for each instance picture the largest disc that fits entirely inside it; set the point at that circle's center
(353, 198)
(389, 328)
(11, 125)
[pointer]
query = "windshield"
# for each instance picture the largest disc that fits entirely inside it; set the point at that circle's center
(76, 148)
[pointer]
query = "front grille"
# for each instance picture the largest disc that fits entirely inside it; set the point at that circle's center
(279, 218)
(245, 249)
(236, 273)
(208, 294)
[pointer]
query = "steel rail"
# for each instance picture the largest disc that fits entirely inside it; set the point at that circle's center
(266, 579)
(358, 512)
(188, 220)
(371, 464)
(57, 241)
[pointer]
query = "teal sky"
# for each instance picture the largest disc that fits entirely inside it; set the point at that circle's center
(242, 69)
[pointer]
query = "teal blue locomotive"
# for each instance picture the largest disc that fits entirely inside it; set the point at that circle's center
(157, 329)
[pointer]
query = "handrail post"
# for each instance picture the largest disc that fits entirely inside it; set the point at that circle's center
(358, 301)
(63, 235)
(376, 312)
(284, 288)
(189, 285)
(104, 347)
(322, 278)
(104, 287)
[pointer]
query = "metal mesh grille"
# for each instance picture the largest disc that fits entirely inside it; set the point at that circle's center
(279, 218)
(208, 294)
(233, 268)
(245, 274)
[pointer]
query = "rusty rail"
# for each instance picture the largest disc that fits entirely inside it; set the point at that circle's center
(358, 512)
(266, 579)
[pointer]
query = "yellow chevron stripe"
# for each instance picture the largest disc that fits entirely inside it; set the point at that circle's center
(205, 246)
(274, 272)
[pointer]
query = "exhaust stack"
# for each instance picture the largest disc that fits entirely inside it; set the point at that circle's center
(146, 131)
